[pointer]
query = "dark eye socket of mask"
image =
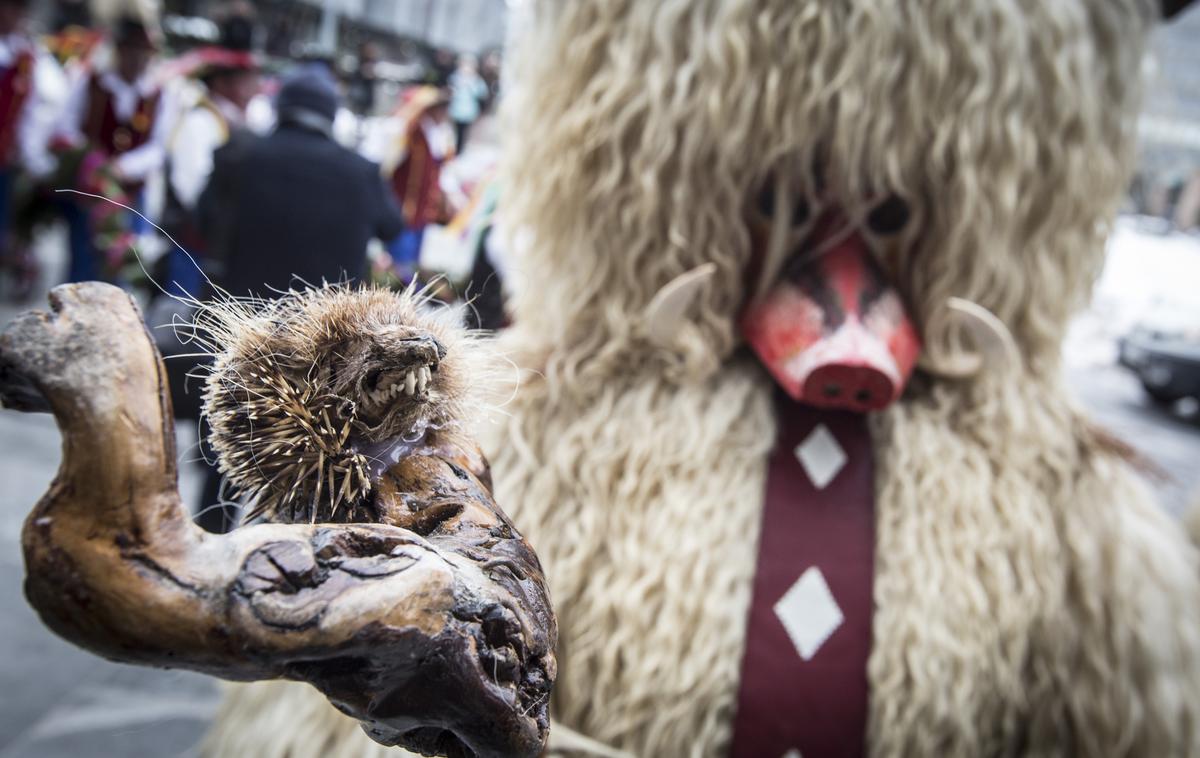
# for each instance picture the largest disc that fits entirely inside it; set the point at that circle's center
(766, 205)
(889, 217)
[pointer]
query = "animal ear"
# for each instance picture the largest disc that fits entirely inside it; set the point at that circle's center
(1172, 8)
(664, 315)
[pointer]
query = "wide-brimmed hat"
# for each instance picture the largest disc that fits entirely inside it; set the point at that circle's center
(415, 101)
(212, 59)
(232, 52)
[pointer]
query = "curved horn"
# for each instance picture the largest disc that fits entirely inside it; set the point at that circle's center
(993, 342)
(664, 315)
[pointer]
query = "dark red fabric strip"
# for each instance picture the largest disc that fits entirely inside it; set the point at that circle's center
(804, 690)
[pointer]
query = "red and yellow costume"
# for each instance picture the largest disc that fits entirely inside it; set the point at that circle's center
(16, 84)
(104, 128)
(425, 146)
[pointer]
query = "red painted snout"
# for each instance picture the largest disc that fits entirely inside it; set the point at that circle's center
(834, 333)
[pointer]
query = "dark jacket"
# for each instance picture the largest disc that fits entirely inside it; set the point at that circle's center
(289, 208)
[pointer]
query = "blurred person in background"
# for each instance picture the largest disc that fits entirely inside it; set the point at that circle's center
(294, 205)
(1187, 207)
(22, 147)
(112, 136)
(425, 145)
(440, 68)
(229, 73)
(468, 91)
(363, 82)
(489, 69)
(289, 209)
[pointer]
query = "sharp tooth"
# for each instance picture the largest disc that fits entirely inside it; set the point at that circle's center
(395, 390)
(410, 383)
(422, 379)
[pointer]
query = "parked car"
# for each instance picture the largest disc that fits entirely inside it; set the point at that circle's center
(1163, 350)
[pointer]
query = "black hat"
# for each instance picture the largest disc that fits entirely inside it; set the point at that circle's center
(130, 31)
(237, 33)
(309, 96)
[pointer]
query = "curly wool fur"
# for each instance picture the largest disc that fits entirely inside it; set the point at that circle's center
(308, 390)
(1030, 598)
(1012, 609)
(664, 528)
(640, 132)
(1029, 594)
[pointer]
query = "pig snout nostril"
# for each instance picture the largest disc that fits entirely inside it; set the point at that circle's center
(863, 396)
(832, 390)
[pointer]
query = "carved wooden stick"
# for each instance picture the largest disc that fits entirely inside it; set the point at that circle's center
(438, 636)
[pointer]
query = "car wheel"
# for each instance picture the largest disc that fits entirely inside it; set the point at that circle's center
(1160, 395)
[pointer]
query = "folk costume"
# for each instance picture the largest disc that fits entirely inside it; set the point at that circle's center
(21, 148)
(200, 131)
(426, 144)
(17, 60)
(115, 131)
(845, 549)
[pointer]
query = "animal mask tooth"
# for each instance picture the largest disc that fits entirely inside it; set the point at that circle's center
(410, 383)
(421, 380)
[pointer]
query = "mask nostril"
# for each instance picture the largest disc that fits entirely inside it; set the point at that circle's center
(863, 396)
(832, 390)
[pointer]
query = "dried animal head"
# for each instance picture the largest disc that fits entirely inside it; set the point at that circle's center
(313, 395)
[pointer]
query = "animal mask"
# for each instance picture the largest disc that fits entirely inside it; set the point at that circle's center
(826, 322)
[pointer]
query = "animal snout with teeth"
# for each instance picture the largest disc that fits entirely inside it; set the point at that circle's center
(407, 370)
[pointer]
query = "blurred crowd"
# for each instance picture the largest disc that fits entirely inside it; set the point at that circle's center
(185, 171)
(1174, 198)
(181, 174)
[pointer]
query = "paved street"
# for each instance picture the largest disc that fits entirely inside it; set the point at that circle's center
(59, 701)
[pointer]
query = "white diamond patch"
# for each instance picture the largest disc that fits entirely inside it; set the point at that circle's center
(821, 456)
(809, 613)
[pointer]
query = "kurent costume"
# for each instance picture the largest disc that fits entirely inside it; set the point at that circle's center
(791, 438)
(972, 570)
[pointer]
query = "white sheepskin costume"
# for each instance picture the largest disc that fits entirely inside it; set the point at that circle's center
(1030, 597)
